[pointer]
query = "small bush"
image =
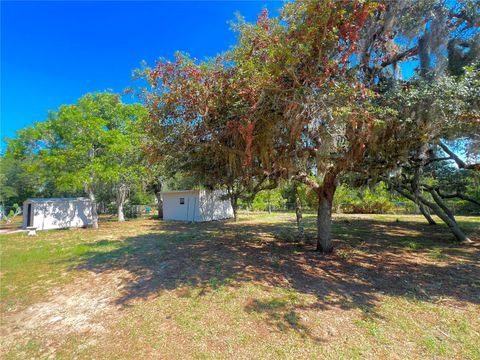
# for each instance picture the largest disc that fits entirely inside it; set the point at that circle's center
(377, 200)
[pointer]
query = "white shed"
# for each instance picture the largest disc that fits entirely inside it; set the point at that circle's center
(57, 213)
(196, 205)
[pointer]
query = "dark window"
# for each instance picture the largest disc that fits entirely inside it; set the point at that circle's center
(29, 215)
(182, 201)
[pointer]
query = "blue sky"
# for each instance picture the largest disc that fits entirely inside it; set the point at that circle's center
(54, 52)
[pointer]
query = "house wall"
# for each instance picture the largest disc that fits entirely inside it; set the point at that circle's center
(58, 215)
(173, 210)
(213, 207)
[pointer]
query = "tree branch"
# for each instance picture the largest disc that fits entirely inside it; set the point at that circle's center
(460, 163)
(400, 56)
(303, 178)
(438, 159)
(460, 196)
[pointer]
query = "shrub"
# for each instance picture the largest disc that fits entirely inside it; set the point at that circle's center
(376, 200)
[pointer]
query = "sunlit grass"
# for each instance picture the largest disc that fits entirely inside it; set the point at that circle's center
(250, 290)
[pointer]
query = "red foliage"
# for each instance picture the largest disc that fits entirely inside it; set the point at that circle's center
(262, 20)
(247, 135)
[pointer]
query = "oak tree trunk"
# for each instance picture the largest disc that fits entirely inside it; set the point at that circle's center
(324, 215)
(452, 224)
(158, 195)
(91, 196)
(234, 202)
(324, 225)
(121, 197)
(442, 205)
(298, 213)
(442, 211)
(121, 216)
(426, 213)
(89, 190)
(446, 218)
(421, 157)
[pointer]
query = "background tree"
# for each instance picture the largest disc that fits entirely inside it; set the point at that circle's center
(269, 200)
(440, 102)
(123, 156)
(81, 146)
(442, 110)
(155, 183)
(16, 185)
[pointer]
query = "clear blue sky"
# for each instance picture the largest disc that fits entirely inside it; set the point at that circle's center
(54, 52)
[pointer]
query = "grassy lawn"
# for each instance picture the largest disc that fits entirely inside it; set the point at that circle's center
(394, 288)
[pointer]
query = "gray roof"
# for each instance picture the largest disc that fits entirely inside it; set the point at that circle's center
(180, 191)
(44, 200)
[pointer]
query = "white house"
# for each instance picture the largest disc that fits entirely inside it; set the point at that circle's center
(196, 205)
(57, 213)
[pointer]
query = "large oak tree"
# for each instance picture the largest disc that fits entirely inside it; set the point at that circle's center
(306, 96)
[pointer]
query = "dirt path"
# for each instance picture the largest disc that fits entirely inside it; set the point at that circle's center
(11, 231)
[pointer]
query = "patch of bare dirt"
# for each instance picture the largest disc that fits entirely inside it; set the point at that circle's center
(85, 306)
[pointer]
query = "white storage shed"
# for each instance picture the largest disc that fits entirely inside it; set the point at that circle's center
(57, 213)
(196, 205)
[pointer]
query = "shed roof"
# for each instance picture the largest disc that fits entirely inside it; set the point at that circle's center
(44, 200)
(179, 192)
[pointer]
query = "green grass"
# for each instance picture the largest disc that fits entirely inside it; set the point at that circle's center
(242, 290)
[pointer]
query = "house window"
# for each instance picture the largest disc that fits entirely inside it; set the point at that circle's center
(182, 201)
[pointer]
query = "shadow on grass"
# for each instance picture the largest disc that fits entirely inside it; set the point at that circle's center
(372, 258)
(281, 315)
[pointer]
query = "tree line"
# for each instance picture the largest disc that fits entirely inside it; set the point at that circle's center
(313, 98)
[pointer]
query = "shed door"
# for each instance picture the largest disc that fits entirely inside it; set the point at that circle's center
(30, 215)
